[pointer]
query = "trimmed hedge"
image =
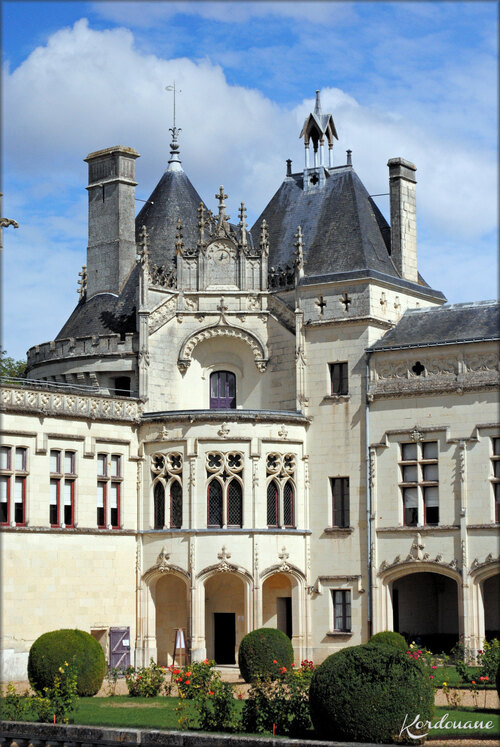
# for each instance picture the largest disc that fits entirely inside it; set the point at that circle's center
(390, 638)
(365, 693)
(51, 650)
(259, 649)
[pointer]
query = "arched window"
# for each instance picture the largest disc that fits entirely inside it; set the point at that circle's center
(288, 504)
(175, 504)
(234, 504)
(222, 390)
(272, 504)
(159, 505)
(215, 504)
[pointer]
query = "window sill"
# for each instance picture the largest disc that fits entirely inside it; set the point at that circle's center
(336, 397)
(338, 530)
(339, 633)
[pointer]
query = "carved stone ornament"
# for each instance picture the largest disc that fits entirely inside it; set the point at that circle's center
(283, 556)
(489, 559)
(162, 314)
(223, 557)
(162, 563)
(223, 431)
(283, 432)
(416, 434)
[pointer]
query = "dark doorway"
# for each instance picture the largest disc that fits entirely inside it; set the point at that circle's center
(284, 615)
(395, 609)
(222, 390)
(224, 637)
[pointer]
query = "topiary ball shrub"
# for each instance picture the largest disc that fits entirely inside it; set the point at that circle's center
(259, 649)
(367, 693)
(390, 638)
(51, 650)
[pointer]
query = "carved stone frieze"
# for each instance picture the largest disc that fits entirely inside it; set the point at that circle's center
(62, 404)
(162, 314)
(489, 560)
(417, 555)
(209, 333)
(481, 362)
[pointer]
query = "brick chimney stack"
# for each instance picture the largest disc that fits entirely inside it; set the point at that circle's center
(111, 249)
(402, 189)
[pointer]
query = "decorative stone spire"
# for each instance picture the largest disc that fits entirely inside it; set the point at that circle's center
(143, 253)
(82, 290)
(201, 224)
(317, 105)
(264, 238)
(174, 163)
(299, 253)
(223, 218)
(242, 225)
(179, 244)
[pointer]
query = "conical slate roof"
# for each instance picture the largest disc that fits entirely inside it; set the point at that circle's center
(174, 197)
(343, 229)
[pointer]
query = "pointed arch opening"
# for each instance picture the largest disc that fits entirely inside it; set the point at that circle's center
(159, 505)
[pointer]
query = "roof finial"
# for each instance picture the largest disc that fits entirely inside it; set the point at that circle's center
(317, 106)
(174, 163)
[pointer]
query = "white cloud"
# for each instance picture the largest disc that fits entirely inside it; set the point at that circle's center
(92, 89)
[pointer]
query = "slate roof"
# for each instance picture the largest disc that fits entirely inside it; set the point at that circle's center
(344, 231)
(461, 322)
(104, 313)
(173, 197)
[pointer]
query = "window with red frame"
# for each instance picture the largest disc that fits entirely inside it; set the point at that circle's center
(109, 484)
(13, 475)
(62, 488)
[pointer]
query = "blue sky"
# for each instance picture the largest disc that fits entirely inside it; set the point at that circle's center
(411, 79)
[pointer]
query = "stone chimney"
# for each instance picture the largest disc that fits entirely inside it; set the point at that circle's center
(111, 249)
(402, 188)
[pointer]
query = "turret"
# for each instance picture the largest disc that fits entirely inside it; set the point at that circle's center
(111, 249)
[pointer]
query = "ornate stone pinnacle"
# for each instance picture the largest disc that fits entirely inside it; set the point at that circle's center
(264, 238)
(82, 282)
(299, 252)
(223, 218)
(179, 244)
(242, 224)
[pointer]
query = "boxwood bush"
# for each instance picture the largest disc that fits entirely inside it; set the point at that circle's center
(259, 649)
(390, 638)
(51, 650)
(364, 693)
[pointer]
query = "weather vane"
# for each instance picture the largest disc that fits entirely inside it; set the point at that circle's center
(173, 88)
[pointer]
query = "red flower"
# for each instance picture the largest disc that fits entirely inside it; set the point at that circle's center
(293, 665)
(275, 661)
(205, 661)
(283, 670)
(210, 692)
(140, 678)
(473, 682)
(188, 674)
(188, 682)
(431, 676)
(179, 679)
(419, 652)
(480, 651)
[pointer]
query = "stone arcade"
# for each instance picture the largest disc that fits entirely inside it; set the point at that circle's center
(279, 426)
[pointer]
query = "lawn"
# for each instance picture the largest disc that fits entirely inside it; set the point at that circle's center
(159, 713)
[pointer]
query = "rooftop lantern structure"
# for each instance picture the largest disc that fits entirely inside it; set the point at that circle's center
(316, 127)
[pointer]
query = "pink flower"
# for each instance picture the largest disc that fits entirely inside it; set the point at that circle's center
(434, 666)
(431, 676)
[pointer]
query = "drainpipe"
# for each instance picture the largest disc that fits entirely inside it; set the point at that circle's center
(368, 498)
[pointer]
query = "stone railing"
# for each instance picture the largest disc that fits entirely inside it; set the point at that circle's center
(76, 347)
(39, 402)
(40, 735)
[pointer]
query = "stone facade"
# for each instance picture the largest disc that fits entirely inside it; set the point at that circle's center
(220, 439)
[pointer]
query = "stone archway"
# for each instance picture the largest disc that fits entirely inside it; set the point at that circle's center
(277, 603)
(425, 607)
(172, 612)
(491, 604)
(226, 616)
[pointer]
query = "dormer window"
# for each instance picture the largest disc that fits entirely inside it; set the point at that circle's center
(222, 390)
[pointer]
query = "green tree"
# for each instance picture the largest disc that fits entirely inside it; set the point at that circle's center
(10, 367)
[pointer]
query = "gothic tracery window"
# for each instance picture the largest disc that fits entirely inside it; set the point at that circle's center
(224, 489)
(167, 490)
(280, 490)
